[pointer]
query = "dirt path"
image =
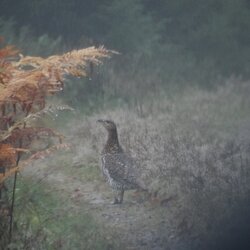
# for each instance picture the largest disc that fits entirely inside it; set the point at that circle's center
(138, 224)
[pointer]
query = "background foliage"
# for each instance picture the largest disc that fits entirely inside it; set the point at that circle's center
(179, 91)
(162, 43)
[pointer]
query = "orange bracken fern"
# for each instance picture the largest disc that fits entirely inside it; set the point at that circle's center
(25, 82)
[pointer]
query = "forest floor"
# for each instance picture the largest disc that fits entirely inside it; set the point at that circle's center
(199, 165)
(138, 223)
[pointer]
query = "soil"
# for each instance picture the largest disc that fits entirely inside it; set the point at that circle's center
(139, 223)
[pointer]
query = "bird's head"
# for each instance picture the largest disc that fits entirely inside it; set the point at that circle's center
(108, 124)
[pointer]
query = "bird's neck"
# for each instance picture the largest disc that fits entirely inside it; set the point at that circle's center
(112, 145)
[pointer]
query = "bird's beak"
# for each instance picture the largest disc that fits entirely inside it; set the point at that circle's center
(100, 120)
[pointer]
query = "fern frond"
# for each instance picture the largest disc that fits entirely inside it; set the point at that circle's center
(47, 152)
(8, 173)
(50, 111)
(24, 125)
(73, 63)
(37, 156)
(27, 135)
(24, 86)
(8, 156)
(44, 76)
(8, 51)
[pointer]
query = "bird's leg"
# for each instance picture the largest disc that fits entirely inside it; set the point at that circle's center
(118, 196)
(116, 200)
(121, 196)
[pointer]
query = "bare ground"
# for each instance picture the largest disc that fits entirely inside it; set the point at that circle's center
(138, 223)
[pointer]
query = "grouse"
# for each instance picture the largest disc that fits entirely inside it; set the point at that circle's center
(118, 168)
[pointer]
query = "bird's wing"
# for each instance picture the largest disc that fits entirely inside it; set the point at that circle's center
(120, 167)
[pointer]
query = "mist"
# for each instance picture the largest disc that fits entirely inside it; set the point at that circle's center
(177, 87)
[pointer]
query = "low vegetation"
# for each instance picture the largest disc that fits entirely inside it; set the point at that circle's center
(193, 151)
(46, 218)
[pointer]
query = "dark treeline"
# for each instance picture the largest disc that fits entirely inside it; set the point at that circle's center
(160, 41)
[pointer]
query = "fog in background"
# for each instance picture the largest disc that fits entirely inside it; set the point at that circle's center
(179, 91)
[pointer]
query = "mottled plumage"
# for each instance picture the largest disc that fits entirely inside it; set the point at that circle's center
(118, 167)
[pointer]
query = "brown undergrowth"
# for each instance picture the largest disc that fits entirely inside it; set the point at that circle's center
(25, 84)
